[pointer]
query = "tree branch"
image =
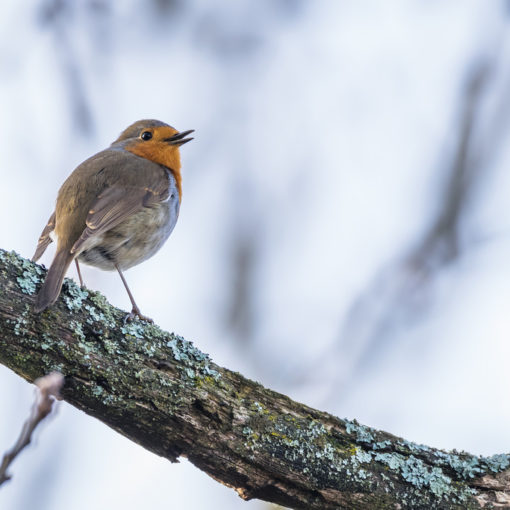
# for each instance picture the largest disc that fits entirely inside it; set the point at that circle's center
(160, 391)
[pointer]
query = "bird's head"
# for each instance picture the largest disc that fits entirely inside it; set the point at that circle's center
(153, 132)
(156, 141)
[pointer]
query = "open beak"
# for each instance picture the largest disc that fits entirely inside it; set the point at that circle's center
(180, 138)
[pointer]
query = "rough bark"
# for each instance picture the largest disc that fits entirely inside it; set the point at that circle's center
(160, 391)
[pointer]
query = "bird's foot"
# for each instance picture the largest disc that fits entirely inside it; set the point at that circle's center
(135, 313)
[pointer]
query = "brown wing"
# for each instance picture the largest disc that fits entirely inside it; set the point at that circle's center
(44, 239)
(116, 204)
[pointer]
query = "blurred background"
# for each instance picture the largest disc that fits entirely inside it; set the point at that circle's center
(344, 235)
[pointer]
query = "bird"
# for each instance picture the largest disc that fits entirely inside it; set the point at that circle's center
(117, 208)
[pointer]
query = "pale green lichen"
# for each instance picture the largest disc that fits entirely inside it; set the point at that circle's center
(52, 365)
(109, 399)
(310, 448)
(110, 346)
(27, 283)
(20, 326)
(73, 295)
(133, 329)
(149, 349)
(186, 353)
(360, 456)
(363, 433)
(98, 390)
(106, 313)
(164, 381)
(183, 350)
(77, 329)
(30, 277)
(257, 407)
(417, 473)
(496, 463)
(95, 315)
(207, 370)
(464, 465)
(392, 460)
(381, 445)
(21, 323)
(469, 466)
(304, 443)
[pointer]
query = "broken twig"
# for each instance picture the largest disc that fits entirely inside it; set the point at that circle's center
(48, 388)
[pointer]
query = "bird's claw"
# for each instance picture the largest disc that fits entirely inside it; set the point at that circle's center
(136, 314)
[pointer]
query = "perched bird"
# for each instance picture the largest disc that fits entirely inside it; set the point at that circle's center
(117, 208)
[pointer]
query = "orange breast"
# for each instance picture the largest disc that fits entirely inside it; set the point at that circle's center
(163, 154)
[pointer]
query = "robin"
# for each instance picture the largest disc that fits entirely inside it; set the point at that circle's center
(117, 208)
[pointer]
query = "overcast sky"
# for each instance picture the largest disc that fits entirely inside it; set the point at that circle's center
(306, 256)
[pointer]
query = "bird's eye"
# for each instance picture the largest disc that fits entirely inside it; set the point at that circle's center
(146, 135)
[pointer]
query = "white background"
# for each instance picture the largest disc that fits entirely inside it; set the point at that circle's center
(325, 138)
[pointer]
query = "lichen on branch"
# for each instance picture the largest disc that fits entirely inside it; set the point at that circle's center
(159, 390)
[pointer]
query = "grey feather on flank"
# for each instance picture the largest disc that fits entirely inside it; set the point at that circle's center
(113, 206)
(44, 239)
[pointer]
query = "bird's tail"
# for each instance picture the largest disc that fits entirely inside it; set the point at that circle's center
(53, 283)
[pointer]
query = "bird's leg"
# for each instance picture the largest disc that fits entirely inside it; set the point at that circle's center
(135, 312)
(82, 285)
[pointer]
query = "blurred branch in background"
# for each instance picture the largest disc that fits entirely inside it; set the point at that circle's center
(64, 19)
(401, 292)
(48, 389)
(59, 16)
(164, 8)
(241, 307)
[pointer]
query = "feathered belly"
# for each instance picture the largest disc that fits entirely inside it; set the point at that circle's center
(134, 240)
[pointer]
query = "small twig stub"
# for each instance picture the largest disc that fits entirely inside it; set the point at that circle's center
(48, 389)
